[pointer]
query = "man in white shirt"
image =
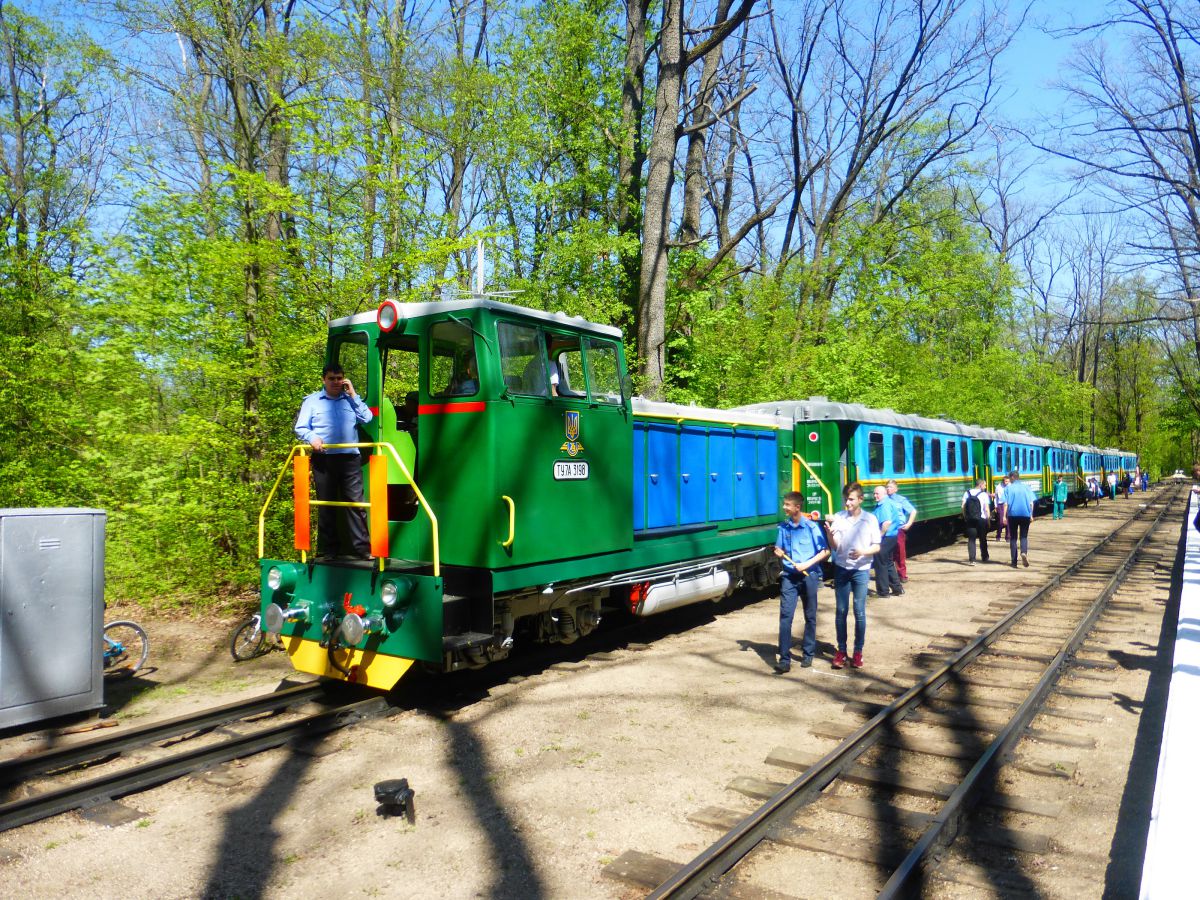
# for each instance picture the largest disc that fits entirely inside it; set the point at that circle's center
(855, 537)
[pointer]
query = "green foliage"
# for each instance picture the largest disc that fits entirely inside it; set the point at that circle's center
(154, 369)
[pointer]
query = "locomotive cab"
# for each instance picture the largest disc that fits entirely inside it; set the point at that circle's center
(501, 431)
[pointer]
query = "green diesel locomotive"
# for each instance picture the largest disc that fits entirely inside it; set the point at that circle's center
(516, 490)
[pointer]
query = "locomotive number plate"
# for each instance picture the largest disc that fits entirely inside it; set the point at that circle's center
(565, 470)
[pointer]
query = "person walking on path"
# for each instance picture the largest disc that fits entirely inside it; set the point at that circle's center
(1060, 498)
(854, 537)
(332, 416)
(1001, 510)
(976, 510)
(800, 547)
(909, 512)
(887, 578)
(1020, 514)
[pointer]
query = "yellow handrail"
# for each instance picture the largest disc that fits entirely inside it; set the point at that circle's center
(374, 445)
(817, 479)
(512, 521)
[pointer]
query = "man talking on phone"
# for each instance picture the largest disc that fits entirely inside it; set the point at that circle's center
(331, 416)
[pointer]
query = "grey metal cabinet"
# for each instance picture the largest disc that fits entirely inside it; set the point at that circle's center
(51, 613)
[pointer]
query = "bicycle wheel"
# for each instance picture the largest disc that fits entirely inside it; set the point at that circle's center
(248, 641)
(125, 649)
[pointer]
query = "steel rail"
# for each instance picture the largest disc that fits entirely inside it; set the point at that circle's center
(156, 772)
(723, 854)
(13, 770)
(945, 825)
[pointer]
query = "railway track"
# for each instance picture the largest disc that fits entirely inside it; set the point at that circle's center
(182, 745)
(966, 715)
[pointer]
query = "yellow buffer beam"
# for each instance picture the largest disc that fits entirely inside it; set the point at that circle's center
(366, 666)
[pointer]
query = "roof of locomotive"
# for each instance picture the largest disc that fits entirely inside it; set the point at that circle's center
(433, 307)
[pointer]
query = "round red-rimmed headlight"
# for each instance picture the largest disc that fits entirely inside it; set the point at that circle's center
(388, 315)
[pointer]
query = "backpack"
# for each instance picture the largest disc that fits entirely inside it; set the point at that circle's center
(973, 509)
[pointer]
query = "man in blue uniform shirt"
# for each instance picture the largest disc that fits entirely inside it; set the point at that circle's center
(887, 579)
(909, 513)
(1020, 513)
(332, 416)
(800, 547)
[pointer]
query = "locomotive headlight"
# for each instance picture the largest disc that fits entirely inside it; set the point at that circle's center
(389, 593)
(388, 316)
(283, 577)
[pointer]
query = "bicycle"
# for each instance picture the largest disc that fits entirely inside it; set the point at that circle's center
(249, 641)
(126, 647)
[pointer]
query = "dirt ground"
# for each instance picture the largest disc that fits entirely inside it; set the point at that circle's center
(525, 787)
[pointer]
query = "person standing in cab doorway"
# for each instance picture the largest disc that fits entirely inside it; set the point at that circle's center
(977, 516)
(1020, 513)
(332, 416)
(854, 537)
(909, 514)
(800, 547)
(1060, 498)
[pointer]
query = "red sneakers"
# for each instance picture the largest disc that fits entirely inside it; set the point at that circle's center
(839, 660)
(857, 661)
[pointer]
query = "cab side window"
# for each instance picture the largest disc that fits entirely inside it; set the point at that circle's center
(523, 359)
(604, 372)
(565, 357)
(351, 354)
(401, 368)
(453, 369)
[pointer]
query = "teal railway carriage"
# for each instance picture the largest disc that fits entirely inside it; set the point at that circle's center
(515, 489)
(1008, 451)
(934, 461)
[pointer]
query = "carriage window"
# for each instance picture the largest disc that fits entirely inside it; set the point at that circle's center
(875, 453)
(899, 465)
(1008, 460)
(350, 352)
(523, 359)
(935, 450)
(1024, 459)
(965, 456)
(918, 454)
(453, 370)
(604, 372)
(951, 457)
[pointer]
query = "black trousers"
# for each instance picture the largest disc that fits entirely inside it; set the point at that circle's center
(338, 476)
(887, 577)
(977, 528)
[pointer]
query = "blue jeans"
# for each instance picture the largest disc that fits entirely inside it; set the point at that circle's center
(791, 587)
(845, 580)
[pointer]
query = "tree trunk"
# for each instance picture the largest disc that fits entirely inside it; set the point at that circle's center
(652, 280)
(631, 154)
